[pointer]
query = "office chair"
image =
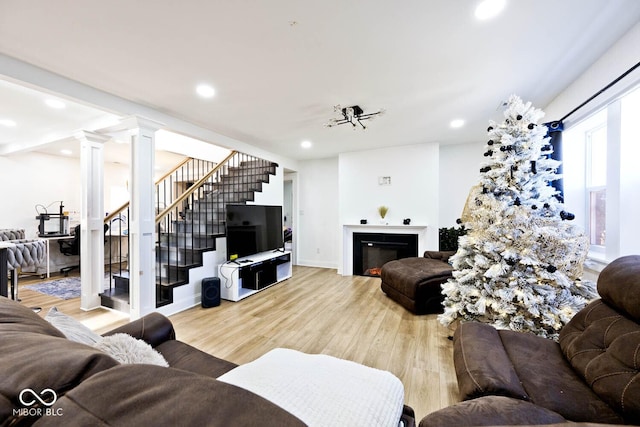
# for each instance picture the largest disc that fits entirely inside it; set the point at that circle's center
(70, 248)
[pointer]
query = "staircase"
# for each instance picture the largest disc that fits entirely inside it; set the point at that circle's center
(192, 203)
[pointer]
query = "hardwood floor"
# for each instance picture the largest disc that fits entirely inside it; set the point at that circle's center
(316, 311)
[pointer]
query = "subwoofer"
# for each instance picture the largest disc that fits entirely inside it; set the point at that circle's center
(210, 295)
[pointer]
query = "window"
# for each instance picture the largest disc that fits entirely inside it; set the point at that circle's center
(602, 177)
(585, 174)
(596, 185)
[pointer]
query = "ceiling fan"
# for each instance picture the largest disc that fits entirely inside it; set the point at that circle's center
(351, 115)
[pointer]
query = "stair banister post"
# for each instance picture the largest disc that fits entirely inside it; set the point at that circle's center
(91, 217)
(142, 281)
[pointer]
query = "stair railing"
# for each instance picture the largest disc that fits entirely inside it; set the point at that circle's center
(168, 187)
(190, 224)
(190, 214)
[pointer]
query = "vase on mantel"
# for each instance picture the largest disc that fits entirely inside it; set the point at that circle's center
(382, 210)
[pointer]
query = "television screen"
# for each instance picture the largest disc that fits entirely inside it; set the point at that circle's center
(252, 229)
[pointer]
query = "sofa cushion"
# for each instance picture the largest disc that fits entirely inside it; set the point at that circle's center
(17, 318)
(35, 361)
(491, 411)
(551, 382)
(619, 285)
(180, 355)
(603, 346)
(148, 395)
(482, 365)
(37, 356)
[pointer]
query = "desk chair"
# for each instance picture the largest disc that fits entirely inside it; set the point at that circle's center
(70, 248)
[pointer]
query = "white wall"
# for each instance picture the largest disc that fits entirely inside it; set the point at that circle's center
(31, 179)
(273, 192)
(317, 217)
(459, 171)
(343, 190)
(413, 192)
(613, 63)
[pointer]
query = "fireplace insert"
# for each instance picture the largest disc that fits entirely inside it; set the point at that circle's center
(372, 250)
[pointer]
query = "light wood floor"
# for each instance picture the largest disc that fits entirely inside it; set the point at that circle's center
(316, 311)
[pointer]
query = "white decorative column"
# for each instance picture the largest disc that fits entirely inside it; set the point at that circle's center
(142, 276)
(91, 218)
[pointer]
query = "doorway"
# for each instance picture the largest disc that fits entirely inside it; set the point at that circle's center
(288, 213)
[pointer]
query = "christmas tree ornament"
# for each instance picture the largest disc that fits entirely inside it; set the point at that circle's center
(518, 267)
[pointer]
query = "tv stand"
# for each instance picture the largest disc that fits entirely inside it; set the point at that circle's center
(246, 276)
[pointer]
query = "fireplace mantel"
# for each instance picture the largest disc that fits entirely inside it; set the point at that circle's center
(349, 229)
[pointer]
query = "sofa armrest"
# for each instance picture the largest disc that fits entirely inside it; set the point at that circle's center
(439, 255)
(491, 411)
(482, 364)
(154, 329)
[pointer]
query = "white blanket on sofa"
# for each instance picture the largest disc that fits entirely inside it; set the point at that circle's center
(323, 390)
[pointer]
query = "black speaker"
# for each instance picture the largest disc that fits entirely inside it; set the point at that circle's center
(210, 292)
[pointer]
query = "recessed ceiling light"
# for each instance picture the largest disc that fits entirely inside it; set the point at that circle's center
(306, 144)
(66, 152)
(8, 123)
(457, 123)
(55, 103)
(205, 91)
(489, 8)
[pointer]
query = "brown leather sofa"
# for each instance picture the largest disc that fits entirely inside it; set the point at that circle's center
(37, 362)
(590, 376)
(414, 282)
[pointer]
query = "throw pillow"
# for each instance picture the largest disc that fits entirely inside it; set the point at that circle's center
(127, 349)
(71, 328)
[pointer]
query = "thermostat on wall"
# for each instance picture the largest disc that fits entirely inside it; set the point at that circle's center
(384, 180)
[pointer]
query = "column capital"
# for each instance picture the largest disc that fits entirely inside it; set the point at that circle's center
(138, 122)
(85, 135)
(131, 125)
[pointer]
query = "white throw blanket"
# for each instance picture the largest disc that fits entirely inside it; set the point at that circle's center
(323, 390)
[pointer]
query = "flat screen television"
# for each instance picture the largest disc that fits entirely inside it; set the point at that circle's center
(252, 229)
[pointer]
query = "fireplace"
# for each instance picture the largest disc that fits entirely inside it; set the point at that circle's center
(372, 250)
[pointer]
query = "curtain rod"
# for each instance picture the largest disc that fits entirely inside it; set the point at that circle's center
(623, 75)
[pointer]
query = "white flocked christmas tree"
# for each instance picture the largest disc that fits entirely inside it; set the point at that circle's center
(519, 265)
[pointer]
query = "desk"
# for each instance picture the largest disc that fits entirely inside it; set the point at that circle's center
(116, 248)
(47, 239)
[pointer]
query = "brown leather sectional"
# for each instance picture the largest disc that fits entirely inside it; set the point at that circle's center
(590, 376)
(91, 388)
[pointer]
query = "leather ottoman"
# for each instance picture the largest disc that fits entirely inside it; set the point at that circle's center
(415, 282)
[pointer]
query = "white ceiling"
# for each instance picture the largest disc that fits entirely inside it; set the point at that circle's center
(280, 66)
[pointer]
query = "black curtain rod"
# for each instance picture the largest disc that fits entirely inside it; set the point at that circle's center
(623, 75)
